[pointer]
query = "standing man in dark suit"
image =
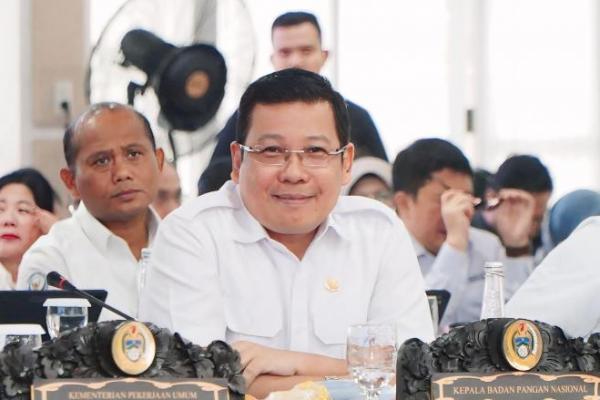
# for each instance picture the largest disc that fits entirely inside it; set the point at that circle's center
(296, 39)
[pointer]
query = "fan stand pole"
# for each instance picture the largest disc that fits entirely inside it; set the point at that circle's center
(173, 147)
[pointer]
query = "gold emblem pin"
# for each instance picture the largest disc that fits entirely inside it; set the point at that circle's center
(332, 285)
(522, 344)
(133, 347)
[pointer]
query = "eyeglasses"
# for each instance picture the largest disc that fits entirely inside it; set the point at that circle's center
(479, 203)
(312, 156)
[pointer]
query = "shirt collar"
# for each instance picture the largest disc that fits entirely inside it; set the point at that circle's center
(100, 236)
(420, 251)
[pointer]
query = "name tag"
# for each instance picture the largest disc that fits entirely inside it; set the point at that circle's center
(131, 388)
(515, 385)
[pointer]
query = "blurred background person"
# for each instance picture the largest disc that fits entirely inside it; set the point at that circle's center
(570, 211)
(371, 177)
(481, 178)
(522, 187)
(433, 195)
(297, 43)
(27, 205)
(169, 191)
(215, 175)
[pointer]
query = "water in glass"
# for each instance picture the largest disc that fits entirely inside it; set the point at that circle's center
(65, 314)
(371, 356)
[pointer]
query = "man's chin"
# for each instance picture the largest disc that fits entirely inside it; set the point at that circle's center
(124, 214)
(291, 230)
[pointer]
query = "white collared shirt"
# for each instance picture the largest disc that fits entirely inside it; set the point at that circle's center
(6, 282)
(216, 274)
(90, 256)
(462, 273)
(563, 289)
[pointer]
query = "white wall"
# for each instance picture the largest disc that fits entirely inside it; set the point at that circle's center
(10, 84)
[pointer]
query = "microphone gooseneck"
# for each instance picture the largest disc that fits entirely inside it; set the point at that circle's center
(58, 281)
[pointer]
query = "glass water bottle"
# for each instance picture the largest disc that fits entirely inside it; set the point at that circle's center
(492, 305)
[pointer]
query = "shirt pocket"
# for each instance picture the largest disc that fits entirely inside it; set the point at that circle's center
(248, 319)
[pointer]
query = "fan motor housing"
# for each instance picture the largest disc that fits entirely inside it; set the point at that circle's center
(188, 81)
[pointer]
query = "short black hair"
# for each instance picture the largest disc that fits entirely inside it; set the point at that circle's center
(525, 172)
(43, 194)
(69, 147)
(414, 165)
(293, 18)
(481, 181)
(215, 175)
(288, 86)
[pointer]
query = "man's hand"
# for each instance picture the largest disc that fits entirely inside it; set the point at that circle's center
(260, 360)
(457, 211)
(514, 217)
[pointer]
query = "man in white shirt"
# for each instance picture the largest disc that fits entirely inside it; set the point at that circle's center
(276, 261)
(433, 184)
(563, 289)
(113, 167)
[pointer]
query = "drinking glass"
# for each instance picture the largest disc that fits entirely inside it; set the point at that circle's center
(64, 314)
(24, 334)
(371, 356)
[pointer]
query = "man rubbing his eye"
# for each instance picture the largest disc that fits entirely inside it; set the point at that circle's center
(276, 262)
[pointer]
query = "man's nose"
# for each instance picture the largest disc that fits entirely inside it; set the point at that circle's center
(293, 170)
(121, 169)
(295, 60)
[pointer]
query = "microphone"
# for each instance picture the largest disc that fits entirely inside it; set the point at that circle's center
(58, 281)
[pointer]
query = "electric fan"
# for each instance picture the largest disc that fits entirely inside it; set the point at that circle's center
(182, 63)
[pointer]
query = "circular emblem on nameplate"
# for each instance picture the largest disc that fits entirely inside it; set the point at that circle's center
(133, 347)
(522, 344)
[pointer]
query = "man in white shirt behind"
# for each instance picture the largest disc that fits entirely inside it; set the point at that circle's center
(433, 184)
(276, 262)
(112, 167)
(563, 289)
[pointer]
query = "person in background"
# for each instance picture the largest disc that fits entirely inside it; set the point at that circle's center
(112, 166)
(563, 289)
(169, 191)
(27, 204)
(371, 177)
(296, 40)
(433, 184)
(214, 176)
(570, 211)
(522, 187)
(277, 262)
(481, 178)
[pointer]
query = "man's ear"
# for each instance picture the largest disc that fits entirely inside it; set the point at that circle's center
(236, 161)
(347, 161)
(402, 201)
(68, 178)
(160, 157)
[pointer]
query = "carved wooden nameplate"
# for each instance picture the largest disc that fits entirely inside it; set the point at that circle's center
(130, 389)
(490, 347)
(511, 385)
(114, 351)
